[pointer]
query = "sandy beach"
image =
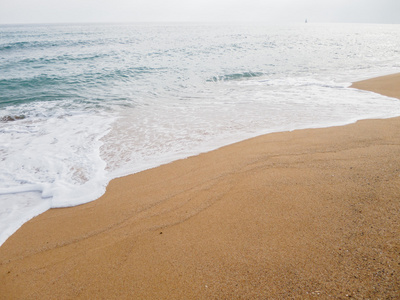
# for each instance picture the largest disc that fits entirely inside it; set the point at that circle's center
(302, 214)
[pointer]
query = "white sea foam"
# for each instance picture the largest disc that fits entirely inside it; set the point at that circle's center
(237, 111)
(92, 111)
(49, 159)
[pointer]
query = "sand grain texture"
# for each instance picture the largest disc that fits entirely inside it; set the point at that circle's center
(303, 214)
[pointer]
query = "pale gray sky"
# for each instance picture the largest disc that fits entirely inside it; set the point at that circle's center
(65, 11)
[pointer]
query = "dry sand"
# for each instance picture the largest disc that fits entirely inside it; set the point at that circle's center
(303, 214)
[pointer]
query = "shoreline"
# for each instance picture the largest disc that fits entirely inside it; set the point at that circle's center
(310, 212)
(384, 85)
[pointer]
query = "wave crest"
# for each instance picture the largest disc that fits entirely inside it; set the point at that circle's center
(235, 76)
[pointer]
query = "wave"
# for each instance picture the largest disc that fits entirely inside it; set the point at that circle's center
(27, 45)
(40, 62)
(50, 44)
(83, 77)
(63, 58)
(235, 76)
(34, 82)
(296, 82)
(43, 87)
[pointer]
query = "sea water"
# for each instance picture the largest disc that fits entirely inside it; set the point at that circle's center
(82, 104)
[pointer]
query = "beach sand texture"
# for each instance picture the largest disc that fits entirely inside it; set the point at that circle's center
(302, 214)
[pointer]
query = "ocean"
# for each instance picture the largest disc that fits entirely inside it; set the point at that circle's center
(81, 104)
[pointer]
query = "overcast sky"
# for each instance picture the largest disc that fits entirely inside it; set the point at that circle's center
(65, 11)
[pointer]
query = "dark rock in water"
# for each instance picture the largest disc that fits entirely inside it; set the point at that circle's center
(6, 119)
(11, 118)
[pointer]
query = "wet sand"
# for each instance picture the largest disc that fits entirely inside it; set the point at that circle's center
(288, 215)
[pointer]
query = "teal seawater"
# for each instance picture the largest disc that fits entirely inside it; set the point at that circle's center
(39, 62)
(81, 104)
